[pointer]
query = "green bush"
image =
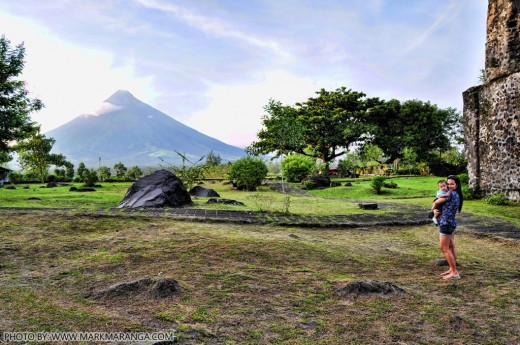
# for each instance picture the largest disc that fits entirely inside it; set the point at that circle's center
(309, 184)
(377, 183)
(468, 193)
(391, 185)
(296, 167)
(248, 173)
(497, 199)
(464, 179)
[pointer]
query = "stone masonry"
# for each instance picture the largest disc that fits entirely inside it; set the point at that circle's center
(491, 111)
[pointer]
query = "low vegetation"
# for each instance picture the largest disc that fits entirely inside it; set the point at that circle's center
(249, 284)
(254, 284)
(418, 191)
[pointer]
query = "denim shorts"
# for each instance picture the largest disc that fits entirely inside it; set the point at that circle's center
(447, 230)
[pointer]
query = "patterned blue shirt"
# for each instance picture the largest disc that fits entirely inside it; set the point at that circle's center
(450, 208)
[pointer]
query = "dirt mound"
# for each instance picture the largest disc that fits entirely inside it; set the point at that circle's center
(368, 287)
(142, 288)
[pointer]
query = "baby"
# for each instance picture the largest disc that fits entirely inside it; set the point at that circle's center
(441, 193)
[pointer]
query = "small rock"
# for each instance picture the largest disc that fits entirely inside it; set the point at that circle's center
(368, 206)
(225, 202)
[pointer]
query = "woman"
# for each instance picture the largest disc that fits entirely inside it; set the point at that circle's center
(447, 224)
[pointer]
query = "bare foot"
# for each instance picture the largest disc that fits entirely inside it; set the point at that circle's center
(445, 273)
(451, 276)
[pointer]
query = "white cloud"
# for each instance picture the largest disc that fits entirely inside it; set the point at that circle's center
(70, 80)
(216, 27)
(234, 114)
(103, 109)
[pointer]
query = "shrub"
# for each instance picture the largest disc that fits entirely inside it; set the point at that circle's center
(464, 179)
(90, 177)
(248, 173)
(349, 165)
(468, 193)
(309, 184)
(497, 199)
(296, 167)
(377, 183)
(391, 185)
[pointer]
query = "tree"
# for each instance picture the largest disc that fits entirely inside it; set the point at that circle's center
(120, 170)
(213, 159)
(134, 173)
(69, 170)
(322, 127)
(15, 105)
(282, 132)
(419, 125)
(90, 177)
(373, 158)
(349, 164)
(34, 155)
(82, 171)
(409, 159)
(104, 173)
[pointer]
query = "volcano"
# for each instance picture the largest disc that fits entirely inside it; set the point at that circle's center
(132, 132)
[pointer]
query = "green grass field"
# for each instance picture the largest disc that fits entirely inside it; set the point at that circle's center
(338, 200)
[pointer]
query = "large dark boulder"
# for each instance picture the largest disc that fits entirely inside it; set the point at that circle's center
(319, 180)
(201, 191)
(160, 189)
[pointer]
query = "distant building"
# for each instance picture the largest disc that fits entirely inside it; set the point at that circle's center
(4, 176)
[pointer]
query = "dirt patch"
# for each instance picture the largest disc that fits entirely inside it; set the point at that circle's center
(142, 288)
(370, 287)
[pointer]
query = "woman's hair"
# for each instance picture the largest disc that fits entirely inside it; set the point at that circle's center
(458, 190)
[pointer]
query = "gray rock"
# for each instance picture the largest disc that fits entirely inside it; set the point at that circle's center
(160, 189)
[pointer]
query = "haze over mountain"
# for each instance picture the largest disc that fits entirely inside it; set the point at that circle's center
(127, 130)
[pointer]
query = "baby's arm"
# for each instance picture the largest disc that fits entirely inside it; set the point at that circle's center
(441, 199)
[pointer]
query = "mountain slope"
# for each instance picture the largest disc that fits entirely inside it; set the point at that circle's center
(129, 131)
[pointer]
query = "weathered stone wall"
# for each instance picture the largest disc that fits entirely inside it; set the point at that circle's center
(503, 38)
(491, 111)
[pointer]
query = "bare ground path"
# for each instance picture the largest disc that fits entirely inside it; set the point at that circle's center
(394, 215)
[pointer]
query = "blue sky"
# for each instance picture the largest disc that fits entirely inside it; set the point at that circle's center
(213, 65)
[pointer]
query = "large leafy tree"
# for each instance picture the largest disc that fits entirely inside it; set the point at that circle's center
(120, 170)
(282, 132)
(35, 155)
(15, 105)
(322, 127)
(414, 124)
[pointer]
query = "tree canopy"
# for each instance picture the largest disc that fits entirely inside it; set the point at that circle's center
(15, 105)
(34, 154)
(322, 127)
(326, 126)
(413, 124)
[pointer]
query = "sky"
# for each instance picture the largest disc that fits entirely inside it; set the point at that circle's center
(214, 65)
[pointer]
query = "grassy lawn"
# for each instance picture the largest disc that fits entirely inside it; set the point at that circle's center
(254, 284)
(417, 191)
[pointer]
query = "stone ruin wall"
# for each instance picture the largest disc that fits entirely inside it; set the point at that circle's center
(491, 111)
